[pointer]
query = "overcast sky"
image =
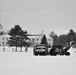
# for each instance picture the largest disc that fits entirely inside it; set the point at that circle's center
(37, 15)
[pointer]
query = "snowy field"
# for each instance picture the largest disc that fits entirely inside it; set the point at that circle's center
(24, 63)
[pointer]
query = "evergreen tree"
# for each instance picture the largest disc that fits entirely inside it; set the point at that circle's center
(17, 30)
(14, 41)
(18, 37)
(63, 40)
(52, 34)
(44, 40)
(55, 39)
(22, 42)
(71, 35)
(1, 33)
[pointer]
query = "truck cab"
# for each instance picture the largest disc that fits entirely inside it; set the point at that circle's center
(41, 49)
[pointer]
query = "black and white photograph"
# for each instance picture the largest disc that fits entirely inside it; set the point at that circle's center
(37, 37)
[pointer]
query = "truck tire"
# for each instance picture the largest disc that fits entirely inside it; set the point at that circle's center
(61, 53)
(35, 53)
(53, 54)
(67, 53)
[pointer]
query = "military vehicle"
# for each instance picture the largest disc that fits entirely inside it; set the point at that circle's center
(60, 50)
(41, 49)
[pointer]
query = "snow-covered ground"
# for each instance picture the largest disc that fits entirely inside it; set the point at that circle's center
(24, 63)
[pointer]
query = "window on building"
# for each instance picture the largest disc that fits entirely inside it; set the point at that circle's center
(6, 42)
(37, 43)
(2, 42)
(37, 39)
(3, 38)
(6, 38)
(33, 39)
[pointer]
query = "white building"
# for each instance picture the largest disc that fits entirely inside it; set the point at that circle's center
(35, 40)
(50, 41)
(4, 39)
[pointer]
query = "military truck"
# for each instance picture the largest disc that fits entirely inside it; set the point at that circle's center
(41, 49)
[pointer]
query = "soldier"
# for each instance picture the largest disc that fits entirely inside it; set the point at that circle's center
(4, 48)
(26, 49)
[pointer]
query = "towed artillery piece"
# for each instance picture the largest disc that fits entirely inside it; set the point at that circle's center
(59, 50)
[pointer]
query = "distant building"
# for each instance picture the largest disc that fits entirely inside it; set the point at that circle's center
(50, 41)
(4, 39)
(36, 40)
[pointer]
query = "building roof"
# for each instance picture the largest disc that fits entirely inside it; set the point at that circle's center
(5, 35)
(40, 36)
(32, 36)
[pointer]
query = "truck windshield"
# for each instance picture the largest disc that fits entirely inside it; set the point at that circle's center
(41, 47)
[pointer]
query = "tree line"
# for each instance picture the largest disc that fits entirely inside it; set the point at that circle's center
(63, 39)
(19, 38)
